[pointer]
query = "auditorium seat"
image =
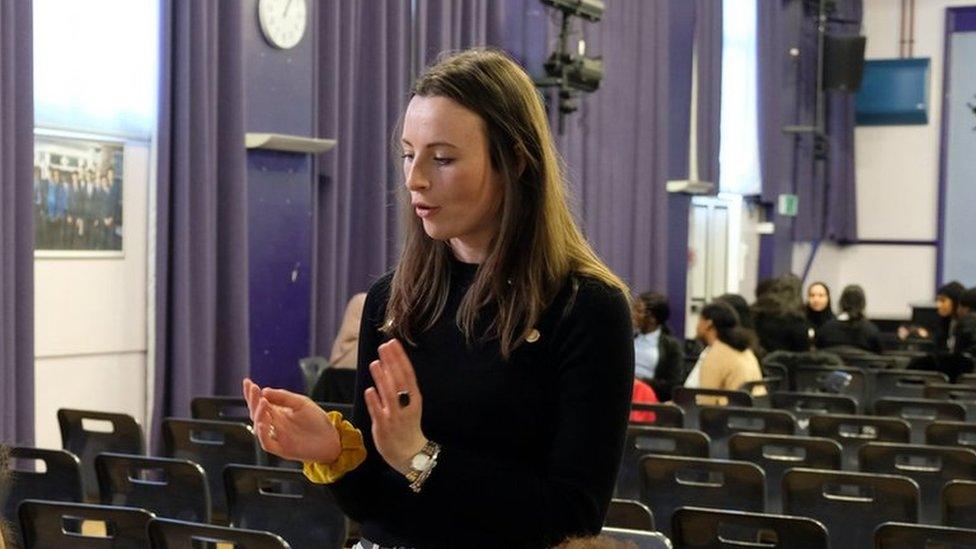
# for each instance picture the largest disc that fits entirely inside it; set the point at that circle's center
(629, 514)
(951, 433)
(776, 454)
(721, 422)
(700, 528)
(931, 467)
(665, 414)
(669, 482)
(81, 435)
(213, 445)
(815, 379)
(175, 534)
(920, 412)
(959, 504)
(640, 539)
(899, 535)
(904, 383)
(220, 408)
(55, 525)
(850, 505)
(57, 479)
(642, 440)
(283, 501)
(853, 431)
(170, 488)
(690, 400)
(804, 405)
(963, 394)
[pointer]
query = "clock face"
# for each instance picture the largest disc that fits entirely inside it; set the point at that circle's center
(283, 21)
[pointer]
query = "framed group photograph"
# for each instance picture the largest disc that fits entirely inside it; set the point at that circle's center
(77, 195)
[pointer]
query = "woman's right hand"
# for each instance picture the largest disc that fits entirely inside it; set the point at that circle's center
(290, 425)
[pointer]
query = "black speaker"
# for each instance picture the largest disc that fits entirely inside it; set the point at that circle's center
(843, 62)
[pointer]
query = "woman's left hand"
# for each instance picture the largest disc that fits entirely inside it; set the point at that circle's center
(396, 428)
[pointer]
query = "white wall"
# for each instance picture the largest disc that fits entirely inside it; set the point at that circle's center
(897, 170)
(90, 320)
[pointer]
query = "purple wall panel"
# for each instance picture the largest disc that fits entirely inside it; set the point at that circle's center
(279, 99)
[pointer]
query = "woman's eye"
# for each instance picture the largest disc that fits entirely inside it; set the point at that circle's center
(443, 161)
(407, 156)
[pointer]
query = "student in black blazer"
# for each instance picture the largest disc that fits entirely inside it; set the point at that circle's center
(851, 328)
(658, 357)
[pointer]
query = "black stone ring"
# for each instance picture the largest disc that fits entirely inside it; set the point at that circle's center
(403, 397)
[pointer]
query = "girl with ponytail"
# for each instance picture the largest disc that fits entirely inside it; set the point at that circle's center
(727, 361)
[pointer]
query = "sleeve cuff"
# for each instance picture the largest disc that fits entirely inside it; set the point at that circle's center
(353, 453)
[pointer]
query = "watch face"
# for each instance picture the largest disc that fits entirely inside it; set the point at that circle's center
(420, 462)
(283, 21)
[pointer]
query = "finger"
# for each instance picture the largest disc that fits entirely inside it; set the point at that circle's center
(407, 372)
(393, 367)
(383, 384)
(374, 406)
(281, 397)
(253, 397)
(262, 425)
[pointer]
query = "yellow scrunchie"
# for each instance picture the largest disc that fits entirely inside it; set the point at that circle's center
(353, 453)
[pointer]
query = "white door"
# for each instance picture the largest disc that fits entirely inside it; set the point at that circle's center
(713, 249)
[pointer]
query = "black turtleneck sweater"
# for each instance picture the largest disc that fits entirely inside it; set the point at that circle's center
(530, 446)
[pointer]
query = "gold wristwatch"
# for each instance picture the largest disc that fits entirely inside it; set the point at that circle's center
(421, 464)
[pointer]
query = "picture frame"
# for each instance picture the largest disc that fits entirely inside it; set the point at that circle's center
(78, 190)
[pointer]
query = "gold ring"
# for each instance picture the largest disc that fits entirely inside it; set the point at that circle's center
(272, 432)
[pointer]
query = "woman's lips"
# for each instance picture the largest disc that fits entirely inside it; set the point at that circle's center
(423, 211)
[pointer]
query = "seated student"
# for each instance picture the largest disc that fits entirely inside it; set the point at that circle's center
(946, 305)
(851, 328)
(658, 357)
(964, 336)
(346, 345)
(780, 322)
(642, 394)
(819, 307)
(727, 361)
(741, 307)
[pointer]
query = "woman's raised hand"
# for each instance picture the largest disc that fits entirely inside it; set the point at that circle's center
(290, 425)
(395, 406)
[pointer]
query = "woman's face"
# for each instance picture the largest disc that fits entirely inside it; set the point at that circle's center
(817, 297)
(447, 168)
(943, 305)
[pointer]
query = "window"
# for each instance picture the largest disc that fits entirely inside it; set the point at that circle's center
(739, 150)
(95, 65)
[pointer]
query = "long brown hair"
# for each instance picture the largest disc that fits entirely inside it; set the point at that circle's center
(538, 244)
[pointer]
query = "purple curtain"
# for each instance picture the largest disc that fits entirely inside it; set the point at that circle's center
(16, 224)
(616, 146)
(201, 290)
(708, 45)
(363, 65)
(787, 96)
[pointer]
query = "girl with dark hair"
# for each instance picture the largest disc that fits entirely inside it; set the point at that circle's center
(495, 362)
(851, 328)
(819, 307)
(947, 300)
(727, 361)
(658, 357)
(778, 315)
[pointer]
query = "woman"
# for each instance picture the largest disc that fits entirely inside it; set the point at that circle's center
(819, 307)
(495, 361)
(851, 328)
(727, 361)
(658, 357)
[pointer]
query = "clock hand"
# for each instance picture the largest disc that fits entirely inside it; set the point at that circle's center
(288, 5)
